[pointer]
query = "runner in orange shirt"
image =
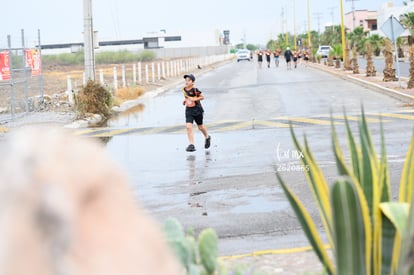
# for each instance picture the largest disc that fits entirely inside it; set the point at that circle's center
(276, 55)
(260, 58)
(268, 54)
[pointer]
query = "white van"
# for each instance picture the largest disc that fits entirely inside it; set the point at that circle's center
(324, 50)
(243, 54)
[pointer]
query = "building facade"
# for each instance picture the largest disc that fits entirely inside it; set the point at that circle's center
(361, 18)
(388, 9)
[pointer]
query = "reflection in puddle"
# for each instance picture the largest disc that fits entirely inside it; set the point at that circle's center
(131, 114)
(104, 140)
(246, 201)
(195, 198)
(259, 205)
(234, 201)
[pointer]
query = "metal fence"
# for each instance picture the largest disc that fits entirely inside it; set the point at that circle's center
(22, 91)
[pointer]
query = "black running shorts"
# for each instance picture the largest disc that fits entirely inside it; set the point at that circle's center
(194, 114)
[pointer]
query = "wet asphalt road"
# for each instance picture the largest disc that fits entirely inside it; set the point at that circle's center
(232, 186)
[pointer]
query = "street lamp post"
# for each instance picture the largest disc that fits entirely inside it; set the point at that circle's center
(309, 32)
(294, 24)
(287, 30)
(343, 32)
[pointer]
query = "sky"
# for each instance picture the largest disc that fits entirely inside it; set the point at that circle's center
(198, 22)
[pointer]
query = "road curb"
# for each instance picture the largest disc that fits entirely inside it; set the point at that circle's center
(390, 92)
(272, 252)
(373, 86)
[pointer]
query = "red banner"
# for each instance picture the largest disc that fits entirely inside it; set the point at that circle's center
(33, 61)
(4, 66)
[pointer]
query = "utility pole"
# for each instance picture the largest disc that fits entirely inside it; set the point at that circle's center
(343, 32)
(287, 31)
(282, 16)
(318, 16)
(332, 16)
(309, 28)
(353, 13)
(294, 24)
(89, 54)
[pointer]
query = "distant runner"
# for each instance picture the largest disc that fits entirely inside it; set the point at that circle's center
(260, 58)
(268, 54)
(276, 55)
(288, 58)
(193, 112)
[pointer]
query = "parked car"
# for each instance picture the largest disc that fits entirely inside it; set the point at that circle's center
(243, 54)
(324, 50)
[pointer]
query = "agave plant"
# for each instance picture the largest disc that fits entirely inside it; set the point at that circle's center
(367, 231)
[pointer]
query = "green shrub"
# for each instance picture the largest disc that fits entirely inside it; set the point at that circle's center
(118, 57)
(108, 57)
(367, 231)
(64, 59)
(146, 56)
(94, 98)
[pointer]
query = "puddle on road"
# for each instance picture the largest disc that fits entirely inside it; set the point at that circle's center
(260, 205)
(125, 118)
(240, 201)
(219, 202)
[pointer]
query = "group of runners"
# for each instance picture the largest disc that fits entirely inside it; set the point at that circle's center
(194, 111)
(288, 54)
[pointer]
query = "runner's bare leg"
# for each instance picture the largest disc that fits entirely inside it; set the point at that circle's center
(203, 129)
(190, 135)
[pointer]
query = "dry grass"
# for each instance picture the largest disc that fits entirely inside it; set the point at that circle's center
(94, 98)
(127, 93)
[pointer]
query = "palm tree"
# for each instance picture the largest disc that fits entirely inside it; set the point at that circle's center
(332, 36)
(358, 39)
(337, 52)
(377, 43)
(281, 40)
(400, 42)
(407, 20)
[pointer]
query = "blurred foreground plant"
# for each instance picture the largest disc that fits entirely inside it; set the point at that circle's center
(367, 231)
(200, 256)
(197, 256)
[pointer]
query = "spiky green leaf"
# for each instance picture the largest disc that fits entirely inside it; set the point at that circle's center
(352, 229)
(407, 177)
(353, 149)
(317, 183)
(308, 227)
(384, 179)
(406, 261)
